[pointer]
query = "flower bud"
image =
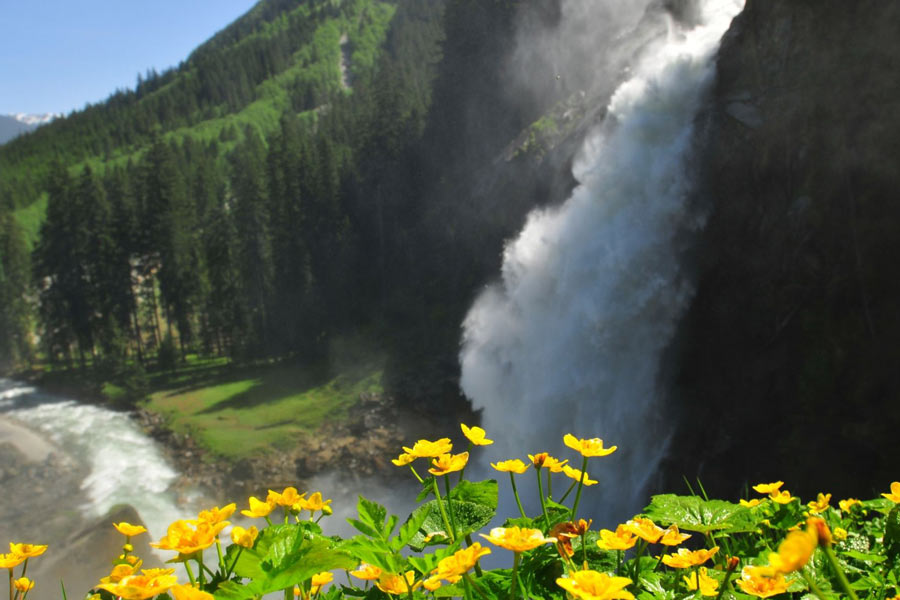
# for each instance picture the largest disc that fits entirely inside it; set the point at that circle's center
(128, 548)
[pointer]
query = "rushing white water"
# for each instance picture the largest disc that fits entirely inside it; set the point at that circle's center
(124, 466)
(570, 340)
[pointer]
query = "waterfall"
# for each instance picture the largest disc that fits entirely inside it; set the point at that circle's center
(570, 339)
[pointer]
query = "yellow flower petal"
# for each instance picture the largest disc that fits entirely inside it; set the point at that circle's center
(592, 585)
(476, 435)
(588, 448)
(511, 466)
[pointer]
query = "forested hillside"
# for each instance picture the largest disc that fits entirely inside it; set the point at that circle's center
(306, 174)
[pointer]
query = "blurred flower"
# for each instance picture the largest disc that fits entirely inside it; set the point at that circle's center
(403, 460)
(216, 514)
(794, 551)
(289, 497)
(894, 496)
(673, 537)
(152, 582)
(782, 497)
(426, 449)
(187, 537)
(544, 460)
(768, 488)
(511, 466)
(620, 539)
(819, 504)
(476, 435)
(840, 534)
(645, 529)
(565, 531)
(189, 592)
(23, 584)
(129, 530)
(8, 561)
(819, 528)
(27, 550)
(395, 584)
(576, 475)
(750, 503)
(258, 508)
(121, 571)
(588, 448)
(315, 502)
(320, 579)
(762, 582)
(244, 537)
(847, 504)
(454, 566)
(700, 580)
(367, 572)
(592, 585)
(685, 559)
(517, 539)
(448, 463)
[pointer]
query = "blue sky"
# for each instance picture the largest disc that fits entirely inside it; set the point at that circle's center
(58, 55)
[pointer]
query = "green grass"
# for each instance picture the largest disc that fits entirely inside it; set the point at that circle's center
(258, 409)
(30, 218)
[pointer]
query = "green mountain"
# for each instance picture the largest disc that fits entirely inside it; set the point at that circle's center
(311, 173)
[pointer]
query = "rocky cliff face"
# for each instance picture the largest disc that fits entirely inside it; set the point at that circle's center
(788, 361)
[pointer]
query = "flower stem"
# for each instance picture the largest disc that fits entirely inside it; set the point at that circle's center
(549, 485)
(515, 574)
(475, 586)
(839, 571)
(728, 574)
(541, 494)
(187, 567)
(413, 469)
(512, 480)
(568, 491)
(478, 570)
(450, 504)
(234, 562)
(219, 553)
(437, 495)
(584, 461)
(812, 585)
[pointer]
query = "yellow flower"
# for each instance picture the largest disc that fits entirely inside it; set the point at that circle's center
(121, 571)
(27, 550)
(761, 582)
(8, 561)
(23, 584)
(645, 529)
(840, 534)
(395, 584)
(432, 583)
(517, 539)
(794, 551)
(620, 539)
(847, 504)
(316, 502)
(706, 584)
(673, 537)
(454, 566)
(576, 475)
(217, 515)
(819, 504)
(565, 531)
(768, 488)
(448, 463)
(819, 528)
(289, 497)
(592, 585)
(258, 508)
(685, 559)
(894, 496)
(244, 537)
(129, 530)
(782, 497)
(750, 503)
(152, 583)
(476, 435)
(320, 579)
(403, 460)
(188, 537)
(588, 448)
(544, 460)
(367, 572)
(511, 466)
(426, 449)
(188, 592)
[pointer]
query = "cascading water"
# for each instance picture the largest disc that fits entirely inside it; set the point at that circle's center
(570, 340)
(123, 466)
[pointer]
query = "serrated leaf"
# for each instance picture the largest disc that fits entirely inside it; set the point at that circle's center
(410, 528)
(388, 528)
(692, 513)
(482, 492)
(371, 513)
(427, 489)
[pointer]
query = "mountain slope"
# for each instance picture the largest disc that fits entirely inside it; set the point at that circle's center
(11, 127)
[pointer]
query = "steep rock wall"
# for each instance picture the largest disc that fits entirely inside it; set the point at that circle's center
(788, 363)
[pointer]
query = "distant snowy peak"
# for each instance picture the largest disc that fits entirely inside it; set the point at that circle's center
(34, 120)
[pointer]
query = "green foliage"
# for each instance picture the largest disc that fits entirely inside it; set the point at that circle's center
(692, 513)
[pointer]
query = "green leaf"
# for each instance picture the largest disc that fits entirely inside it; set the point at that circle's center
(482, 492)
(892, 533)
(371, 513)
(692, 513)
(409, 529)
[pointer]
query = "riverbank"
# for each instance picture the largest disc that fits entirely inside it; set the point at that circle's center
(238, 430)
